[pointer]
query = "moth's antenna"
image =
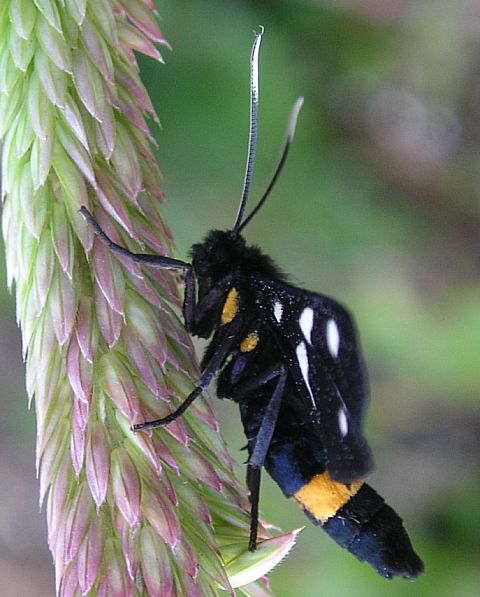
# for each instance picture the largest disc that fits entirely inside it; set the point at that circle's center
(292, 123)
(252, 139)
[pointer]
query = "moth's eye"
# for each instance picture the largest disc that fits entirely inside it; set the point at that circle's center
(201, 262)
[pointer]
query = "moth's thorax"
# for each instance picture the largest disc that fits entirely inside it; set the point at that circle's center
(222, 253)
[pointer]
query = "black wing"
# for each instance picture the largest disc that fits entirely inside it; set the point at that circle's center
(318, 341)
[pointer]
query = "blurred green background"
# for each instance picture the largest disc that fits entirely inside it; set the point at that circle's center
(378, 206)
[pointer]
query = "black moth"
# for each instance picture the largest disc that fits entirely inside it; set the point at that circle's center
(291, 360)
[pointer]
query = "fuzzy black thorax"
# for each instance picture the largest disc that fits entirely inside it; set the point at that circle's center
(221, 253)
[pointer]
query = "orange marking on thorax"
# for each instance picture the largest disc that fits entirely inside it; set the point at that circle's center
(323, 497)
(230, 308)
(249, 342)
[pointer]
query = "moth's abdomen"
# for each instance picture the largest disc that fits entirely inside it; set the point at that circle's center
(354, 515)
(368, 528)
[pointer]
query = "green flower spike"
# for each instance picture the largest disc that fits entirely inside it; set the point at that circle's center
(157, 513)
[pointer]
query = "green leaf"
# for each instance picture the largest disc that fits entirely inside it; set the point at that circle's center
(10, 106)
(23, 15)
(144, 18)
(10, 164)
(21, 50)
(125, 161)
(27, 249)
(24, 134)
(104, 16)
(40, 109)
(8, 73)
(89, 85)
(77, 10)
(49, 10)
(43, 271)
(71, 181)
(54, 45)
(41, 159)
(4, 22)
(248, 566)
(53, 80)
(98, 50)
(62, 238)
(33, 205)
(74, 120)
(76, 151)
(74, 191)
(62, 303)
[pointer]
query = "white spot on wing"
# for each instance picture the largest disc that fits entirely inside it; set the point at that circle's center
(333, 337)
(278, 311)
(306, 323)
(302, 358)
(342, 422)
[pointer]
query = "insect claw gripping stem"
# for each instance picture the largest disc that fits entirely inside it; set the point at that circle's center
(171, 417)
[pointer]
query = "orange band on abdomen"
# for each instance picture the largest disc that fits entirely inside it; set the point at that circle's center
(322, 497)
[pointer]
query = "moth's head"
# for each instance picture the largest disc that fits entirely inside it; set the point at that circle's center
(218, 254)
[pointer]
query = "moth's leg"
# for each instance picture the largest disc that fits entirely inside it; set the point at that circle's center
(253, 484)
(190, 296)
(208, 302)
(189, 300)
(269, 421)
(263, 439)
(226, 340)
(244, 390)
(195, 310)
(152, 260)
